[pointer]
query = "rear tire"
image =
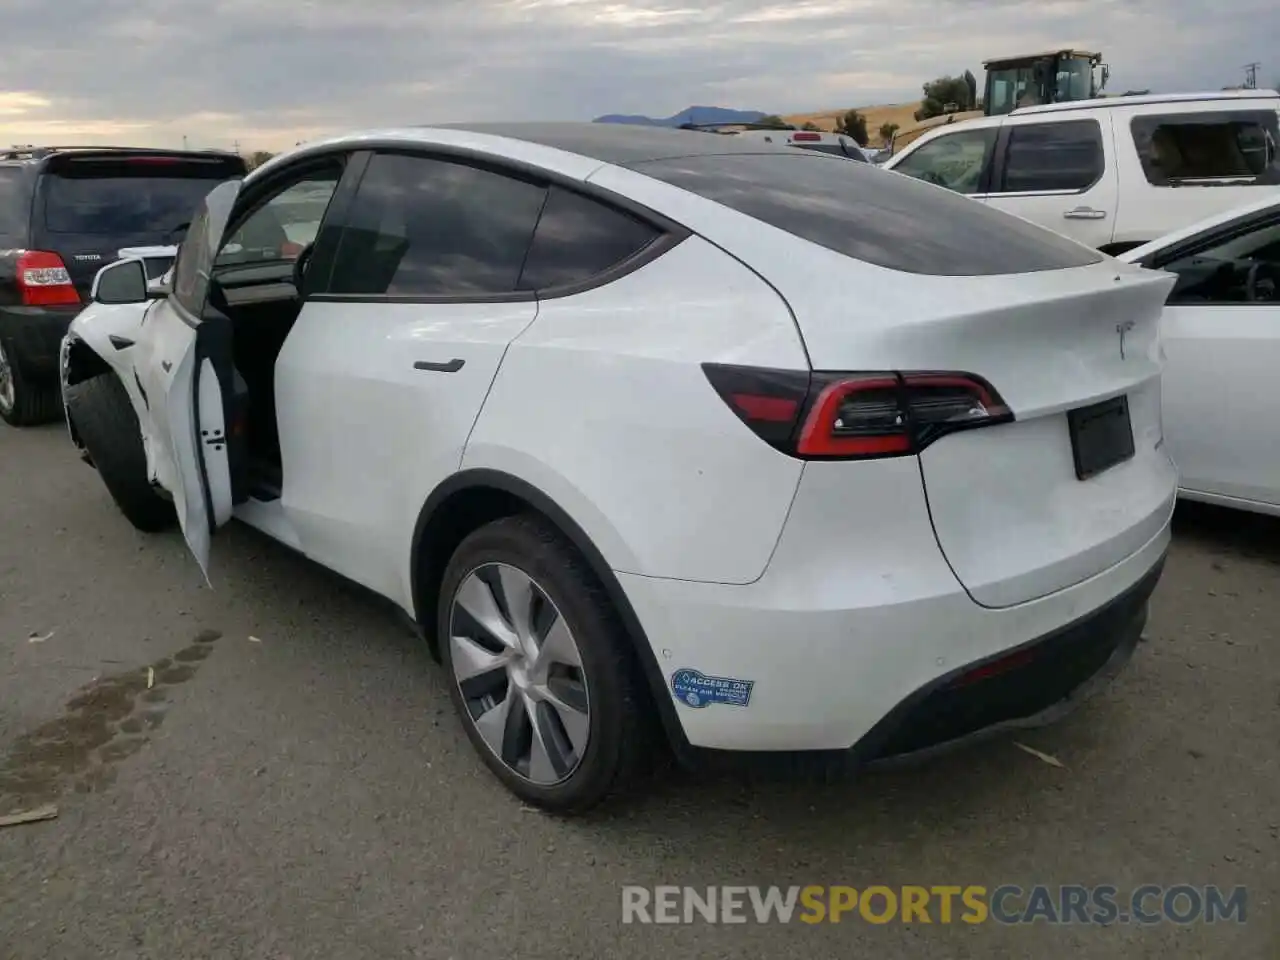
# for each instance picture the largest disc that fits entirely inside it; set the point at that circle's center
(603, 693)
(105, 421)
(24, 403)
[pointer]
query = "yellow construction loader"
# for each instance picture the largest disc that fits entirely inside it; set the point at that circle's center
(1012, 82)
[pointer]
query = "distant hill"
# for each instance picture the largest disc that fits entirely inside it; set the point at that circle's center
(687, 115)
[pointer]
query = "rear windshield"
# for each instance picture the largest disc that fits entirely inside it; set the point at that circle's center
(873, 215)
(834, 149)
(128, 198)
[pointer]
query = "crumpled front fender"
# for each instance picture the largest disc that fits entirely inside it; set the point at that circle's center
(104, 338)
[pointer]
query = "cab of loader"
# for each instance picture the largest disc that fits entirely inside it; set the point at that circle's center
(1024, 81)
(1034, 79)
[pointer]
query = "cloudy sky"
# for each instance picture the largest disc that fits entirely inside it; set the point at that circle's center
(267, 73)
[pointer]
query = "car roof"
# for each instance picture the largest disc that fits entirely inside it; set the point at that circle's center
(1146, 99)
(616, 143)
(567, 149)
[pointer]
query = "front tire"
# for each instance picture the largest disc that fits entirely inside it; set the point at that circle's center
(539, 668)
(24, 403)
(105, 421)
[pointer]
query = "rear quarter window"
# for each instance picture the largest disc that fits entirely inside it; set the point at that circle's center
(578, 238)
(872, 215)
(1224, 148)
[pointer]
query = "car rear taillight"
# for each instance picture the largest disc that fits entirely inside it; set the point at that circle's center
(843, 416)
(43, 280)
(806, 137)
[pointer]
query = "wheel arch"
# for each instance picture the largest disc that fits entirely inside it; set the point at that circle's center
(471, 498)
(82, 361)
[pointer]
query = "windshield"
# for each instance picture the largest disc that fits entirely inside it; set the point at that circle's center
(111, 200)
(1074, 80)
(1011, 87)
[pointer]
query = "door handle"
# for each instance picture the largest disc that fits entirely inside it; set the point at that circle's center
(1085, 213)
(449, 366)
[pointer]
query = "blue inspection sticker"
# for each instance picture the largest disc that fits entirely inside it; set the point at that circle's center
(695, 689)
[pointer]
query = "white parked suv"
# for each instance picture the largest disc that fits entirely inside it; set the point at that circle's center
(592, 404)
(1113, 173)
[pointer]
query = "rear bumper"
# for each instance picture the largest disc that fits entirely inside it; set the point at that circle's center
(853, 654)
(34, 336)
(1030, 685)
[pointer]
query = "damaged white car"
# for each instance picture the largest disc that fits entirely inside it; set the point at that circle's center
(591, 404)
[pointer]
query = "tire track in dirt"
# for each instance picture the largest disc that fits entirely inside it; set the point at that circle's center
(107, 721)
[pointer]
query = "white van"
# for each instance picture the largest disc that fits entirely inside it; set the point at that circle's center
(1113, 173)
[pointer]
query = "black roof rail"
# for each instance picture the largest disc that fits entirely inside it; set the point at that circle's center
(737, 123)
(39, 153)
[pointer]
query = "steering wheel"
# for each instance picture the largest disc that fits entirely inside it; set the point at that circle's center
(1256, 284)
(930, 176)
(300, 267)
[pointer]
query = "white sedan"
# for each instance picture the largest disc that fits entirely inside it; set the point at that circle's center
(648, 430)
(1221, 333)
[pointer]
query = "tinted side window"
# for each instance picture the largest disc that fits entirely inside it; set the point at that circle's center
(13, 220)
(577, 238)
(1242, 269)
(1234, 147)
(856, 210)
(283, 226)
(955, 160)
(426, 227)
(1053, 156)
(193, 271)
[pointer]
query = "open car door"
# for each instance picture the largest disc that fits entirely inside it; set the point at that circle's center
(185, 376)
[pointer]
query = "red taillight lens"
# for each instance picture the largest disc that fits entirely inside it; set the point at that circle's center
(806, 137)
(823, 416)
(43, 280)
(857, 417)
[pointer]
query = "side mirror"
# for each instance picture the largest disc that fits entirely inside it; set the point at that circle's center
(124, 281)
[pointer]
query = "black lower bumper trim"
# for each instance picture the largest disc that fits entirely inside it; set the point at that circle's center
(33, 336)
(1026, 686)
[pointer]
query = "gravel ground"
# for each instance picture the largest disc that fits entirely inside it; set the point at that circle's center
(293, 784)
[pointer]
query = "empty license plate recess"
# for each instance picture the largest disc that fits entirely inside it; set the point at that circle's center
(1101, 436)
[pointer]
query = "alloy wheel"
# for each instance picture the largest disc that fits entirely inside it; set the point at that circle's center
(519, 670)
(7, 393)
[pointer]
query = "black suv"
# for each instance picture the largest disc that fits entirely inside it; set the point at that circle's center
(65, 212)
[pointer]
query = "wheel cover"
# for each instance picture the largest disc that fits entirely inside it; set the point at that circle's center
(7, 398)
(519, 670)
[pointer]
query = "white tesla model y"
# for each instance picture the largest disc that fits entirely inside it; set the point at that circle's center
(774, 454)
